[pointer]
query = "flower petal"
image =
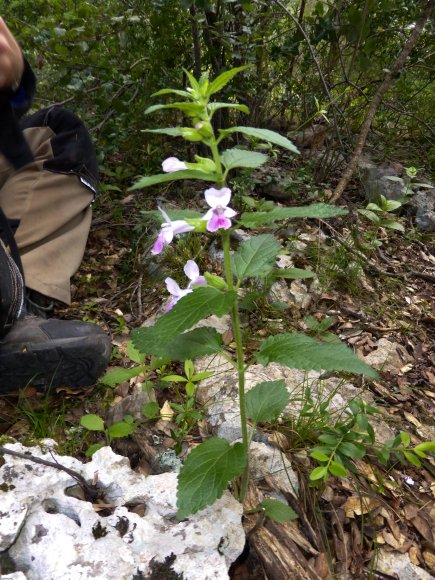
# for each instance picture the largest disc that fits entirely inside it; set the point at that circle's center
(217, 197)
(173, 288)
(191, 269)
(158, 244)
(172, 164)
(181, 226)
(218, 221)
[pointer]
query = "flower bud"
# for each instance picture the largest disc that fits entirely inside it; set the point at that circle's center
(215, 281)
(191, 134)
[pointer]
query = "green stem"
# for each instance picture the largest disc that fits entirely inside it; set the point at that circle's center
(240, 363)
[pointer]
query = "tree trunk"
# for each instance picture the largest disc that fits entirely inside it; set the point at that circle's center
(389, 78)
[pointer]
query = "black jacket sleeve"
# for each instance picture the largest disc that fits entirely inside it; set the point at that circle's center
(12, 106)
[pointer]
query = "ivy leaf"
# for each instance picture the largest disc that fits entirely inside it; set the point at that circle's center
(298, 351)
(232, 158)
(92, 422)
(146, 181)
(266, 401)
(223, 79)
(263, 135)
(315, 210)
(277, 510)
(255, 257)
(113, 378)
(206, 473)
(188, 311)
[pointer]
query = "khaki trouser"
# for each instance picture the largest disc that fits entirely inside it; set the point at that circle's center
(54, 215)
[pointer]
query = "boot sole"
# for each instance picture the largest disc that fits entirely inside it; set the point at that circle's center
(62, 363)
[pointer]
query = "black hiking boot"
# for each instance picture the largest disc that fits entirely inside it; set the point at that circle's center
(52, 353)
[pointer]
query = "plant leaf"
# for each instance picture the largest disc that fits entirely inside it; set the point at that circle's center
(193, 344)
(172, 131)
(337, 469)
(232, 158)
(188, 108)
(223, 79)
(150, 410)
(296, 350)
(277, 510)
(92, 422)
(255, 257)
(121, 429)
(213, 107)
(133, 354)
(188, 311)
(263, 135)
(93, 448)
(316, 210)
(206, 473)
(318, 456)
(352, 450)
(173, 92)
(266, 401)
(319, 473)
(146, 181)
(116, 376)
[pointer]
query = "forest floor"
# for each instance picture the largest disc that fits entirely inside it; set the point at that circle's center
(384, 293)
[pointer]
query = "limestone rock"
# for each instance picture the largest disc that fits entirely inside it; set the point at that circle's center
(64, 537)
(399, 566)
(388, 356)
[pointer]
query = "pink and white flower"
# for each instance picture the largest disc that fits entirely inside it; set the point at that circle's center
(218, 217)
(192, 272)
(172, 164)
(167, 232)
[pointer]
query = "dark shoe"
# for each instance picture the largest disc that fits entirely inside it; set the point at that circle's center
(52, 353)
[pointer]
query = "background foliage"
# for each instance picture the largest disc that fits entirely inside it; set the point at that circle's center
(105, 58)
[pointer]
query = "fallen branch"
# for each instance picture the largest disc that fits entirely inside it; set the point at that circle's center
(389, 78)
(92, 492)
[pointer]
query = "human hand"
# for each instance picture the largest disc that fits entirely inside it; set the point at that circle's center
(11, 59)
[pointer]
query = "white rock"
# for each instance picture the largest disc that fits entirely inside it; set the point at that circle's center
(63, 537)
(388, 356)
(14, 576)
(265, 459)
(399, 566)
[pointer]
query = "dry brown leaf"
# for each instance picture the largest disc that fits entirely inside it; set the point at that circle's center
(412, 419)
(422, 526)
(328, 494)
(415, 555)
(395, 530)
(410, 511)
(321, 565)
(402, 544)
(279, 440)
(429, 560)
(356, 506)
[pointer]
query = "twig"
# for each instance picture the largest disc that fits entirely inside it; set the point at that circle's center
(92, 492)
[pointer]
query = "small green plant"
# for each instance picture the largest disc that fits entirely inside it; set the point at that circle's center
(122, 428)
(409, 186)
(346, 441)
(381, 216)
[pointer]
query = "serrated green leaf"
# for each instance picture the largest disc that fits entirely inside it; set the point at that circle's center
(263, 135)
(147, 181)
(193, 344)
(213, 107)
(172, 131)
(116, 376)
(293, 273)
(266, 401)
(223, 79)
(133, 354)
(255, 257)
(319, 473)
(318, 456)
(188, 311)
(337, 469)
(277, 510)
(296, 350)
(150, 410)
(121, 429)
(206, 473)
(173, 92)
(92, 422)
(352, 450)
(193, 109)
(232, 158)
(316, 211)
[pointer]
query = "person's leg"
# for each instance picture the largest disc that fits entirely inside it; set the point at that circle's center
(47, 203)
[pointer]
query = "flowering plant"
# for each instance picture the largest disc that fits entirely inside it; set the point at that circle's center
(210, 467)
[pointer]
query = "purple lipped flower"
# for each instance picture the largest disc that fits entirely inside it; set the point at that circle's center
(167, 232)
(192, 272)
(218, 217)
(172, 164)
